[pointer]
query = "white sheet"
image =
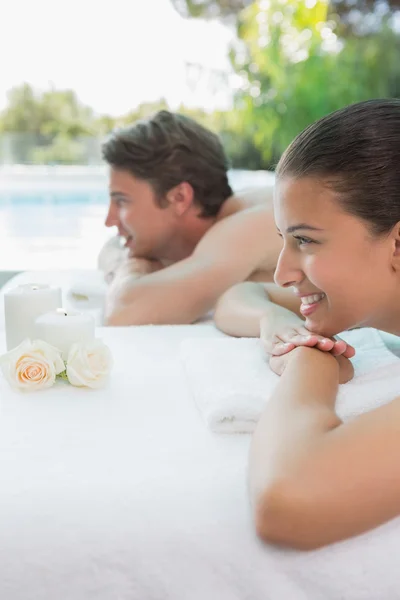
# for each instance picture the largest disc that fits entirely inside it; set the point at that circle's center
(124, 494)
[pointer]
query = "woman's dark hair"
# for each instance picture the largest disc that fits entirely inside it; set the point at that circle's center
(168, 149)
(357, 151)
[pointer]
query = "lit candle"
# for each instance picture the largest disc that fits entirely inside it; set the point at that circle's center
(23, 305)
(62, 328)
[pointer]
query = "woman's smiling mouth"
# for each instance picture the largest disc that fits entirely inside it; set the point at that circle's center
(310, 303)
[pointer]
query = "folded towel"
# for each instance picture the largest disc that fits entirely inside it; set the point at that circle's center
(231, 381)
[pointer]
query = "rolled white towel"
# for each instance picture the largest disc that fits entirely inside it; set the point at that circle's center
(88, 291)
(231, 381)
(111, 256)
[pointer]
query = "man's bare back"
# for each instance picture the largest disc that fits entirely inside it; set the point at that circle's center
(239, 244)
(259, 203)
(188, 238)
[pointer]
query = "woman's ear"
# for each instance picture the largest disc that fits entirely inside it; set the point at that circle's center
(395, 237)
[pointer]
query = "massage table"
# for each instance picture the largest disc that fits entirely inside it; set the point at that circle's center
(125, 494)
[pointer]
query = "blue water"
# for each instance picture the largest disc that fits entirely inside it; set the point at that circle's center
(45, 228)
(31, 215)
(238, 180)
(11, 199)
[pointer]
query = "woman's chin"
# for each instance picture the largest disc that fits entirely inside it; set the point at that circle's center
(322, 328)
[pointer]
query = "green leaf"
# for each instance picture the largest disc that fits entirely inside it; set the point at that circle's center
(63, 375)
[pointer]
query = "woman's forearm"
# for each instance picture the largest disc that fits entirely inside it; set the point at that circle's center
(239, 311)
(299, 413)
(300, 409)
(315, 480)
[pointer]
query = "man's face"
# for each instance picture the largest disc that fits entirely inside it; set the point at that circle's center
(148, 228)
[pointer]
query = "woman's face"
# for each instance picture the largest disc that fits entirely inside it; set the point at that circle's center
(343, 273)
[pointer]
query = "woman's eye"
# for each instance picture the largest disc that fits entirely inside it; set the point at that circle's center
(303, 241)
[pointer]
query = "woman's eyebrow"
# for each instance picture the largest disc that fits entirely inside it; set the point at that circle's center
(294, 228)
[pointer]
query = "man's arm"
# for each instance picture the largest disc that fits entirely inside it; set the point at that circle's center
(313, 479)
(183, 292)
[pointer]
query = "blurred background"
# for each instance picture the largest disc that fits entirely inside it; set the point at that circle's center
(255, 72)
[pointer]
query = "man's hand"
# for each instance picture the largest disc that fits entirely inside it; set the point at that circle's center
(126, 274)
(280, 337)
(278, 363)
(137, 267)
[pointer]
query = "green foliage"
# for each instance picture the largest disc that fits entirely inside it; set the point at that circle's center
(49, 114)
(295, 60)
(295, 69)
(43, 126)
(62, 150)
(231, 8)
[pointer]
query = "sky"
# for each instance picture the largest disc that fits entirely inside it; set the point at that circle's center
(115, 54)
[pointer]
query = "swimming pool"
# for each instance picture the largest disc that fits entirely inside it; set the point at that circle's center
(61, 231)
(54, 218)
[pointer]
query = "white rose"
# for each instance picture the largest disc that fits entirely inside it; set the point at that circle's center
(89, 364)
(33, 365)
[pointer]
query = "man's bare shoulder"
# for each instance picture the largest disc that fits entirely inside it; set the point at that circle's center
(246, 229)
(256, 196)
(250, 218)
(245, 200)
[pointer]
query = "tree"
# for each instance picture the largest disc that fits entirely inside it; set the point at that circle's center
(295, 69)
(231, 8)
(41, 119)
(298, 60)
(210, 8)
(48, 113)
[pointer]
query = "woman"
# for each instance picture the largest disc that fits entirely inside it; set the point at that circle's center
(313, 479)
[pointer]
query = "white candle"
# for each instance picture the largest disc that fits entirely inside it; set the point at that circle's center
(23, 305)
(62, 328)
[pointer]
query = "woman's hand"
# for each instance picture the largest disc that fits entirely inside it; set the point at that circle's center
(280, 337)
(279, 363)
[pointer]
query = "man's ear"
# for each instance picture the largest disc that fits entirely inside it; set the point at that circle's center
(181, 198)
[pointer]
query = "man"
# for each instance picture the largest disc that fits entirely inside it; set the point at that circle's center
(189, 238)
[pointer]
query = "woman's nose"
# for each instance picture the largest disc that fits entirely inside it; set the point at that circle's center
(287, 272)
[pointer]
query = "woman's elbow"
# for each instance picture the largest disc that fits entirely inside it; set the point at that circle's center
(281, 518)
(224, 320)
(234, 315)
(224, 316)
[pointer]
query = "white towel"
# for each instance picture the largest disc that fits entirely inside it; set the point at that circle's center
(88, 291)
(111, 256)
(231, 381)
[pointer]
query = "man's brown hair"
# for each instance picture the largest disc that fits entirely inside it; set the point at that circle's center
(168, 149)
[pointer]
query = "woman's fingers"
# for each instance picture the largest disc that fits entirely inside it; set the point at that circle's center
(349, 352)
(281, 348)
(325, 344)
(292, 336)
(305, 338)
(339, 347)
